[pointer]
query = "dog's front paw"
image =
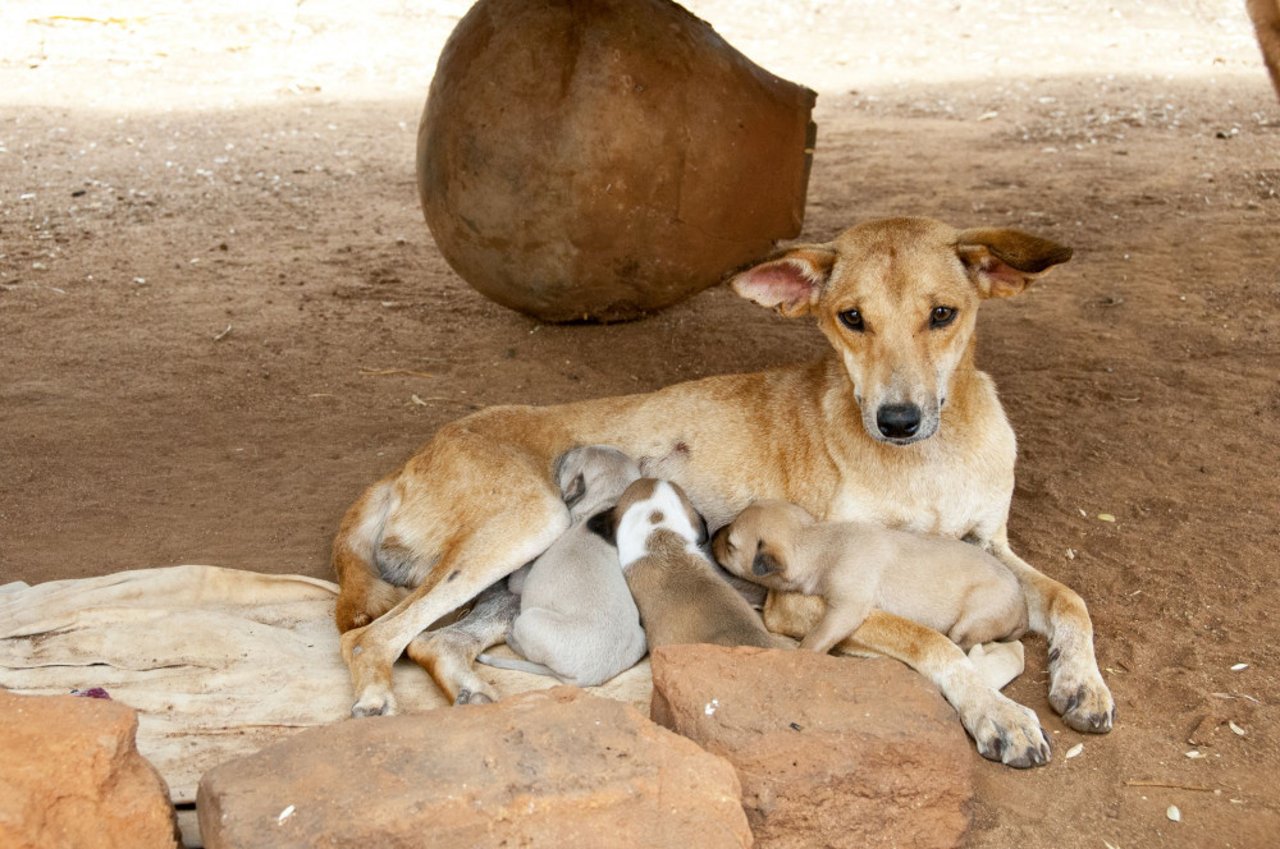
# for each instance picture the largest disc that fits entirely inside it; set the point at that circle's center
(1010, 733)
(1086, 705)
(349, 642)
(374, 703)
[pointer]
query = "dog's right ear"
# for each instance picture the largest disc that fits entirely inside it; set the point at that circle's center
(602, 525)
(789, 281)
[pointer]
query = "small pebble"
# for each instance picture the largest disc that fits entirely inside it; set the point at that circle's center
(1174, 814)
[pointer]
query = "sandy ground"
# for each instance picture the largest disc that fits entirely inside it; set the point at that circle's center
(210, 245)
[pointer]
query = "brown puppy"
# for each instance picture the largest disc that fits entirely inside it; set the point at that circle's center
(944, 584)
(681, 599)
(894, 425)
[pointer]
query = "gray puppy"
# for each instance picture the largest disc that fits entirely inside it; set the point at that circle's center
(577, 619)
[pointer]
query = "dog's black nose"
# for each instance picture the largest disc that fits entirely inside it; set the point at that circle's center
(898, 421)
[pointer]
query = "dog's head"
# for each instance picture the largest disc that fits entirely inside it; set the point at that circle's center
(648, 505)
(592, 476)
(757, 544)
(898, 299)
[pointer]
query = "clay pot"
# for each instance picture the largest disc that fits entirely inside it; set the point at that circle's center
(600, 159)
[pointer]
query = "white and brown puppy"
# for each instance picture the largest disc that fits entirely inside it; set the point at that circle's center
(660, 539)
(577, 620)
(943, 584)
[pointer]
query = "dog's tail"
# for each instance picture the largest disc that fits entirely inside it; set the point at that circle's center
(515, 664)
(363, 594)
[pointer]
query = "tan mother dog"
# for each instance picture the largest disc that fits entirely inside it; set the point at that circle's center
(895, 426)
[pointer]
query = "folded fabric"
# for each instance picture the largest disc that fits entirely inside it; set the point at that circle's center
(218, 662)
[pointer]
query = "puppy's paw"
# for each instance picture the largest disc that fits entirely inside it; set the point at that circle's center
(1085, 705)
(1010, 733)
(475, 691)
(374, 703)
(475, 697)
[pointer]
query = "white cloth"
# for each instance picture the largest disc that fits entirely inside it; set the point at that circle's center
(217, 662)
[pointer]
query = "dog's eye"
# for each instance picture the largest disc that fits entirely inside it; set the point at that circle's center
(852, 319)
(942, 316)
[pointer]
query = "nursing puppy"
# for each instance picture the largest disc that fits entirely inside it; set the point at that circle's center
(681, 599)
(943, 584)
(577, 620)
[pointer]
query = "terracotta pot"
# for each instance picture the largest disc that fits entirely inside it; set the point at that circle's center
(601, 159)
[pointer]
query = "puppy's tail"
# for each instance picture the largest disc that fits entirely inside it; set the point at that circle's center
(516, 665)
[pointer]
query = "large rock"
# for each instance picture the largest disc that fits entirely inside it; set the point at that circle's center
(598, 159)
(832, 752)
(71, 776)
(556, 768)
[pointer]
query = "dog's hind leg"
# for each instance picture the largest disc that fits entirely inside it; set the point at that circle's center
(363, 595)
(473, 558)
(449, 653)
(1076, 688)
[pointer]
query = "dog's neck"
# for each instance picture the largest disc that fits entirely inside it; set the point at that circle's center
(637, 533)
(666, 544)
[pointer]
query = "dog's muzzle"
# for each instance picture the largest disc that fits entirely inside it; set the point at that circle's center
(898, 421)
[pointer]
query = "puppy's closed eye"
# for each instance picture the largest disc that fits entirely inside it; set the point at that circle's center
(764, 564)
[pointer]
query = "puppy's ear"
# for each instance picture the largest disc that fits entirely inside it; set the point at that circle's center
(790, 281)
(701, 528)
(603, 526)
(764, 564)
(574, 490)
(567, 466)
(1002, 263)
(696, 521)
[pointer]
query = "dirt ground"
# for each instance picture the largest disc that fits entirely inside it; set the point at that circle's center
(211, 251)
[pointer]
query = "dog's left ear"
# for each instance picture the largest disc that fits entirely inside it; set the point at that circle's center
(789, 281)
(1002, 263)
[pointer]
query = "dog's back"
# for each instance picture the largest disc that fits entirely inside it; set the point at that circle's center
(943, 583)
(682, 600)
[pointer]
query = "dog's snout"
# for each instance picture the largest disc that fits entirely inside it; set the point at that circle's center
(898, 421)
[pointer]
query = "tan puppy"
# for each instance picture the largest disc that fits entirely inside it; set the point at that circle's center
(894, 425)
(681, 599)
(943, 584)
